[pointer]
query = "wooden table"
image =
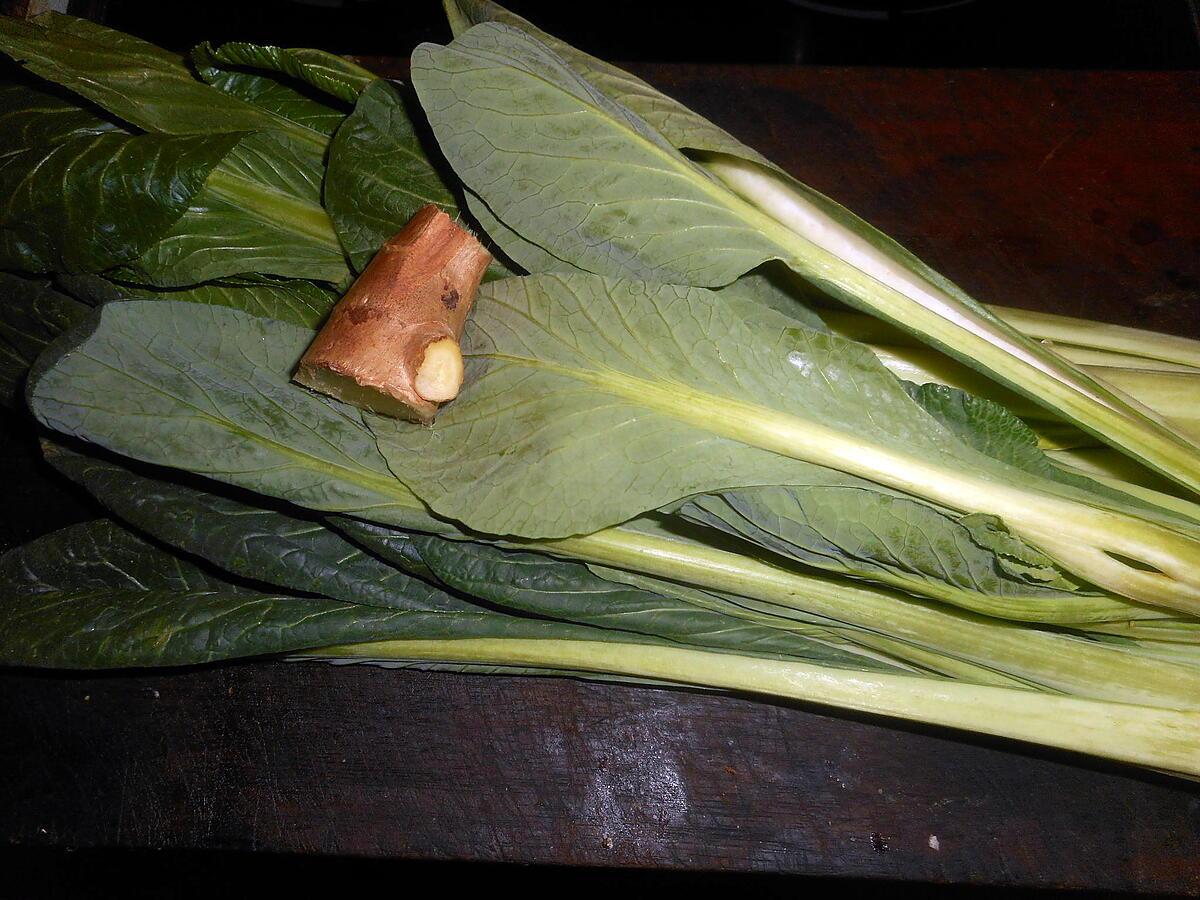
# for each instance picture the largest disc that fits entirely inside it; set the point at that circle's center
(1059, 191)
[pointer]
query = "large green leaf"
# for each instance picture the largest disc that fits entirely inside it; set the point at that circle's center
(256, 542)
(93, 200)
(571, 171)
(32, 314)
(601, 387)
(94, 596)
(379, 175)
(207, 389)
(674, 121)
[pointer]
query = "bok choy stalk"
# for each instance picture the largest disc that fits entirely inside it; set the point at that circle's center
(910, 296)
(510, 111)
(1148, 736)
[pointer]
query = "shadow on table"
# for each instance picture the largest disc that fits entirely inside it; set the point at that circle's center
(40, 874)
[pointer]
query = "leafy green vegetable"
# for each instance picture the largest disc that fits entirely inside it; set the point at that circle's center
(267, 90)
(95, 596)
(625, 397)
(569, 169)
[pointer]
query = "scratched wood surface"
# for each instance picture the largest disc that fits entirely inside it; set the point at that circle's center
(1059, 191)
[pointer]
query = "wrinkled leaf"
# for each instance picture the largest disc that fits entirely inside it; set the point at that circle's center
(32, 314)
(95, 597)
(267, 91)
(250, 541)
(207, 389)
(90, 201)
(532, 583)
(379, 175)
(335, 75)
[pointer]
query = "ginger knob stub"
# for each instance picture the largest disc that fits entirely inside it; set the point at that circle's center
(391, 345)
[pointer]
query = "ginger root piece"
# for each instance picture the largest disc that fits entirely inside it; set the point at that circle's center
(391, 344)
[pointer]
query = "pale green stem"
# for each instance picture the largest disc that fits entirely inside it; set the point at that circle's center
(1057, 661)
(1102, 336)
(1163, 739)
(1091, 541)
(824, 250)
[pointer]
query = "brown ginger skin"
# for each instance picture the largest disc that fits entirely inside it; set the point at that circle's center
(416, 292)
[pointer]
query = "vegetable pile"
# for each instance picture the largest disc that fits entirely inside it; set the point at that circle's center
(714, 430)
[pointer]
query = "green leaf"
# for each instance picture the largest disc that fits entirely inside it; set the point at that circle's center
(532, 583)
(208, 390)
(96, 597)
(379, 175)
(335, 75)
(674, 121)
(297, 302)
(258, 213)
(91, 201)
(267, 91)
(851, 530)
(992, 430)
(32, 314)
(97, 557)
(582, 380)
(571, 171)
(255, 542)
(136, 81)
(36, 117)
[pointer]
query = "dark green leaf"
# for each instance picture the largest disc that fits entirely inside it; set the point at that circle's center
(94, 200)
(379, 175)
(335, 75)
(540, 585)
(254, 542)
(267, 91)
(135, 80)
(96, 597)
(32, 314)
(32, 117)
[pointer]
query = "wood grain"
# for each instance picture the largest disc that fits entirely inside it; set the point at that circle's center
(1071, 192)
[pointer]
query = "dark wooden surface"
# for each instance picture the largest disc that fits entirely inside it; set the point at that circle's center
(1057, 191)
